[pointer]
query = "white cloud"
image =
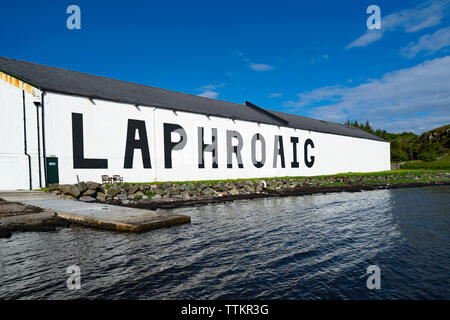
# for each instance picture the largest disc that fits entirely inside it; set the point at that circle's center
(260, 67)
(423, 16)
(209, 94)
(412, 99)
(275, 95)
(208, 91)
(367, 38)
(429, 43)
(254, 66)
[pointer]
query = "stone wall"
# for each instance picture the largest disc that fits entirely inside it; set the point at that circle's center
(168, 191)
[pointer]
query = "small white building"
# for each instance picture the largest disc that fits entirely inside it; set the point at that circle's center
(59, 125)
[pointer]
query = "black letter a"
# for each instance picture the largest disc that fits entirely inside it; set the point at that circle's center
(132, 144)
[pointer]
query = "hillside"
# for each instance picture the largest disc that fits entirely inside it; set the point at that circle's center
(407, 146)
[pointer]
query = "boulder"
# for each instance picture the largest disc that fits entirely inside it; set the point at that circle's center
(113, 191)
(234, 191)
(70, 189)
(185, 194)
(53, 187)
(92, 185)
(90, 193)
(123, 196)
(82, 186)
(133, 189)
(208, 191)
(101, 196)
(87, 199)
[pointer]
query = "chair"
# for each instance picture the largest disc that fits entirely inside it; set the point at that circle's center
(106, 179)
(117, 178)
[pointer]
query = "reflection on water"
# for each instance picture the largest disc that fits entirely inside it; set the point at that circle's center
(307, 247)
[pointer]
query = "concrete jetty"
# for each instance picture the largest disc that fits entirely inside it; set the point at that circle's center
(95, 215)
(110, 217)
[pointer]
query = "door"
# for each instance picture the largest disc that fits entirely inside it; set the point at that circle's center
(52, 170)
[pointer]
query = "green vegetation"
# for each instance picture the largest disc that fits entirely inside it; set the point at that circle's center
(442, 163)
(407, 146)
(408, 175)
(138, 196)
(149, 194)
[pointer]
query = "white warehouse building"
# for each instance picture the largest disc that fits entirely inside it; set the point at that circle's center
(58, 126)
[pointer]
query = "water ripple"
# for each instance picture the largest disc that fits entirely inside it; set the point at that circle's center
(309, 247)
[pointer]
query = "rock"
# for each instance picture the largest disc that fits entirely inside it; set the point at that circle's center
(159, 192)
(82, 186)
(87, 199)
(249, 188)
(68, 197)
(113, 191)
(90, 193)
(101, 196)
(133, 189)
(208, 191)
(92, 185)
(123, 196)
(53, 187)
(234, 191)
(125, 201)
(157, 196)
(185, 194)
(5, 233)
(70, 189)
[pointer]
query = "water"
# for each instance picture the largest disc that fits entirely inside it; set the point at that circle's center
(310, 247)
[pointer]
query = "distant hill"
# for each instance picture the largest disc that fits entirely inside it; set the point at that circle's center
(407, 146)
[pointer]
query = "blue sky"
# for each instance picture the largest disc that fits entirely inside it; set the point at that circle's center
(312, 58)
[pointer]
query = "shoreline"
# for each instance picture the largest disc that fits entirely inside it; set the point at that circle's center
(18, 217)
(300, 191)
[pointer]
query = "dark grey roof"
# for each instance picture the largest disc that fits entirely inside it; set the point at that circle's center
(82, 84)
(311, 124)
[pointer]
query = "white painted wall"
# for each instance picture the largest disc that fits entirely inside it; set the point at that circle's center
(105, 132)
(13, 162)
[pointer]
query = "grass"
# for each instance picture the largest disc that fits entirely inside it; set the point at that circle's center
(395, 175)
(441, 164)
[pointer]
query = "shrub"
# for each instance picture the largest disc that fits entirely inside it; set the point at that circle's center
(149, 194)
(427, 156)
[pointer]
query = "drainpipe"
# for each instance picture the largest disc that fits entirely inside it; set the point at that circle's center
(39, 142)
(25, 140)
(43, 138)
